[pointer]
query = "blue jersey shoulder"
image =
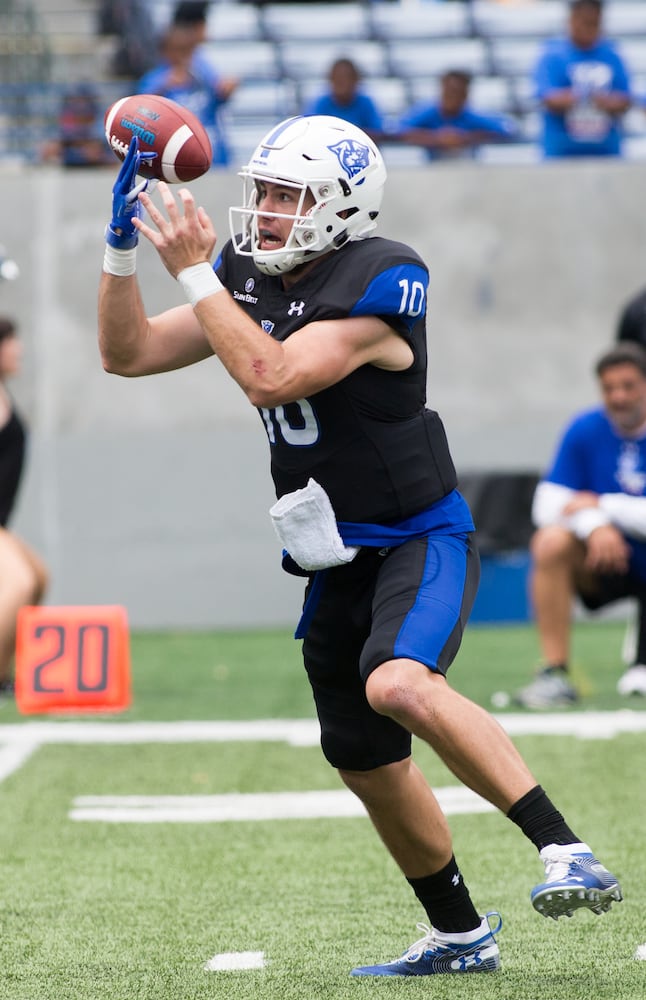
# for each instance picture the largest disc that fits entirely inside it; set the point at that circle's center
(399, 290)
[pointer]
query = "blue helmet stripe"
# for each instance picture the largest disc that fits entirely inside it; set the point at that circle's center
(278, 131)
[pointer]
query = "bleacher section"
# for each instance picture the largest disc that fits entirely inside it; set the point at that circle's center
(281, 53)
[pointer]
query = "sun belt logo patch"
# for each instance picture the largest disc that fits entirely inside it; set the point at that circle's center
(352, 155)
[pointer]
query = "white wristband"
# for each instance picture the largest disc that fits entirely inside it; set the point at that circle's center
(119, 262)
(199, 281)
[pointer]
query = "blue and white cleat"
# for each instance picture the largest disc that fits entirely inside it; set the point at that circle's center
(574, 880)
(438, 953)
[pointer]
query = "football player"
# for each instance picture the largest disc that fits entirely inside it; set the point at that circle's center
(322, 324)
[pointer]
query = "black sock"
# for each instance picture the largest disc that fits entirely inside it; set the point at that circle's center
(640, 656)
(446, 900)
(540, 820)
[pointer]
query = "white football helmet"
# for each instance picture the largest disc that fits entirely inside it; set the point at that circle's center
(333, 159)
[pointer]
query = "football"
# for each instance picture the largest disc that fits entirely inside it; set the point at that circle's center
(163, 127)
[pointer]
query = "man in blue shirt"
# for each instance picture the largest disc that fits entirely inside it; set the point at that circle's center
(449, 128)
(187, 76)
(590, 513)
(344, 99)
(583, 87)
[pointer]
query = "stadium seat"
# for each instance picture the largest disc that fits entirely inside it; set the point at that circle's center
(633, 51)
(228, 21)
(634, 121)
(390, 94)
(417, 59)
(302, 60)
(523, 94)
(392, 21)
(634, 147)
(531, 125)
(491, 94)
(403, 157)
(515, 56)
(541, 19)
(245, 59)
(309, 90)
(244, 136)
(624, 19)
(638, 80)
(337, 21)
(161, 13)
(263, 99)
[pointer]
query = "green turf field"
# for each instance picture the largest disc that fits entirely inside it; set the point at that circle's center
(118, 910)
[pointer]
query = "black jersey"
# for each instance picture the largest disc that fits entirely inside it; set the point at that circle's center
(632, 323)
(369, 440)
(12, 454)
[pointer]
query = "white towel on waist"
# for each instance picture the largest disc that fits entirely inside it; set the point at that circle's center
(306, 526)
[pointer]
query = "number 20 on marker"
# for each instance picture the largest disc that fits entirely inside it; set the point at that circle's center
(72, 659)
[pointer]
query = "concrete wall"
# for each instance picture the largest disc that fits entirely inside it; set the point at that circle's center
(154, 493)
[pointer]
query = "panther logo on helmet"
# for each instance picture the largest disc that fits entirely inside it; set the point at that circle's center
(352, 155)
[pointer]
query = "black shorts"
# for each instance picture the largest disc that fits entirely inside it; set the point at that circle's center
(608, 588)
(409, 602)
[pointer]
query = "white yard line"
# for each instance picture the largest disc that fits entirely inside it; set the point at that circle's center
(246, 808)
(18, 741)
(296, 732)
(13, 756)
(585, 725)
(300, 732)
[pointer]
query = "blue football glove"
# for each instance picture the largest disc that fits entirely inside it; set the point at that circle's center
(120, 232)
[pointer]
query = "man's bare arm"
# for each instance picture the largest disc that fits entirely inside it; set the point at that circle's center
(268, 371)
(133, 344)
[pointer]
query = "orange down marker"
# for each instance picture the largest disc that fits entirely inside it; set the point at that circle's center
(72, 659)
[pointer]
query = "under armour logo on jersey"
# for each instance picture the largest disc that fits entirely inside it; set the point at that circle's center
(267, 325)
(352, 155)
(296, 308)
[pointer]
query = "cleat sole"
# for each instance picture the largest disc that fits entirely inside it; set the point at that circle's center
(563, 903)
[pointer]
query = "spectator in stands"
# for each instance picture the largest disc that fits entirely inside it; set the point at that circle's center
(345, 99)
(590, 517)
(81, 141)
(193, 14)
(186, 75)
(23, 576)
(583, 87)
(449, 127)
